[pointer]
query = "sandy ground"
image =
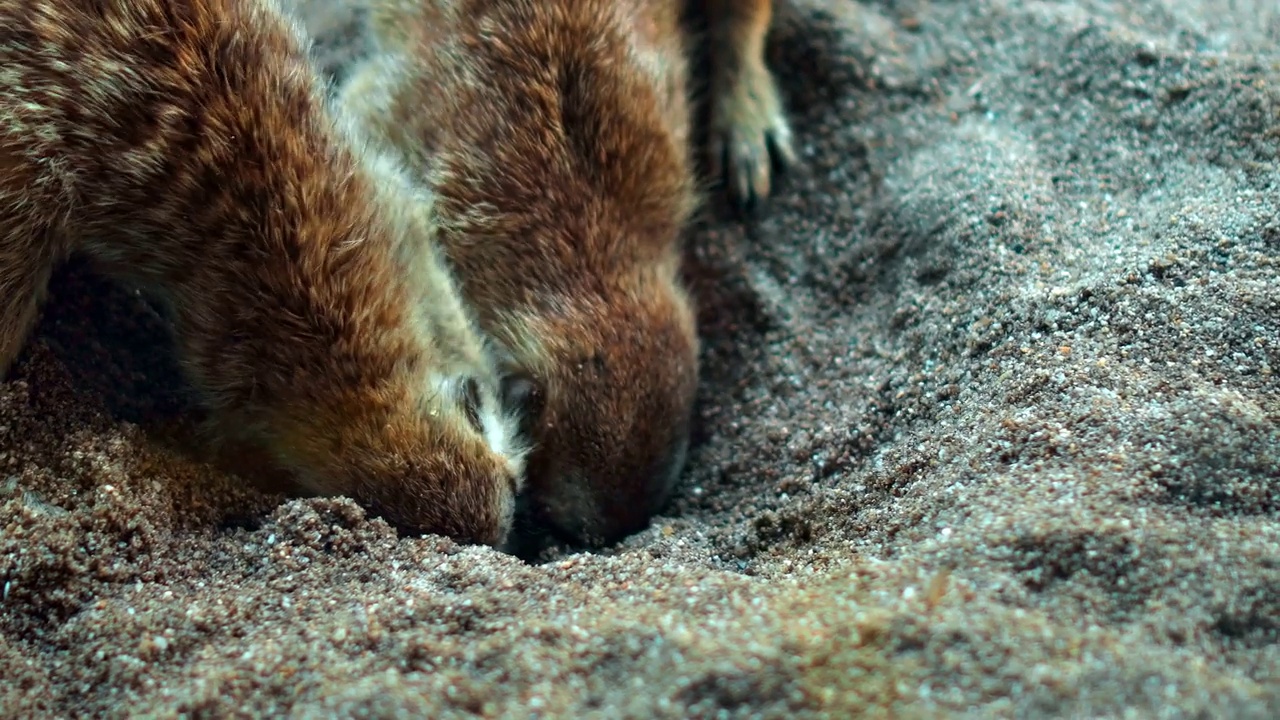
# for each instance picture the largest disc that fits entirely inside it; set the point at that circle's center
(989, 426)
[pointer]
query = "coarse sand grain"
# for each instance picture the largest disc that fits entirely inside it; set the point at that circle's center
(989, 426)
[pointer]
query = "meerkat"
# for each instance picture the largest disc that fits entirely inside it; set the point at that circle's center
(750, 135)
(554, 137)
(185, 147)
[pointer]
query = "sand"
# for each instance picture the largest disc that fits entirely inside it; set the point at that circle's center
(989, 426)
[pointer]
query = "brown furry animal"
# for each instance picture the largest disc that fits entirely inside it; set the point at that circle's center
(185, 147)
(555, 136)
(750, 134)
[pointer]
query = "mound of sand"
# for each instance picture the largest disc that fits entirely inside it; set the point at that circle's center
(990, 423)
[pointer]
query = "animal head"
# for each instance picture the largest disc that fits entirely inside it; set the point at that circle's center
(608, 408)
(441, 461)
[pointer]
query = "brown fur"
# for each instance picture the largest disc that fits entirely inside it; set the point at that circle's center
(555, 136)
(750, 135)
(184, 146)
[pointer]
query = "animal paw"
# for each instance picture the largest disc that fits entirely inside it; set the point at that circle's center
(750, 136)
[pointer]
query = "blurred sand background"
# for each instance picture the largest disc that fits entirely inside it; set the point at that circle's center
(989, 427)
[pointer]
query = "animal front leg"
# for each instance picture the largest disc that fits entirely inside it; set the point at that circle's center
(750, 134)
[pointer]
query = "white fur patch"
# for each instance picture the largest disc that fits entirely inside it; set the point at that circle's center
(500, 433)
(499, 428)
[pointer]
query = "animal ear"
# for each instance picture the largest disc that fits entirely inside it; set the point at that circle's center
(471, 402)
(520, 392)
(525, 397)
